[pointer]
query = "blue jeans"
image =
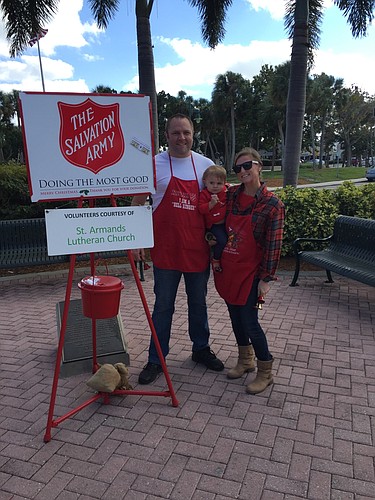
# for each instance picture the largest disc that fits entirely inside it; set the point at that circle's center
(246, 326)
(166, 283)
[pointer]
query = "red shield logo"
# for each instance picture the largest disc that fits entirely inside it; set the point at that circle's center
(90, 134)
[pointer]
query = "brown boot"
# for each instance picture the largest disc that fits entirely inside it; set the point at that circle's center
(245, 362)
(263, 379)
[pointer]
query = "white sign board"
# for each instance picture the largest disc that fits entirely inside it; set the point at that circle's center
(90, 145)
(90, 230)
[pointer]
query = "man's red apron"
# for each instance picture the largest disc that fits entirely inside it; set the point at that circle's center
(179, 228)
(240, 260)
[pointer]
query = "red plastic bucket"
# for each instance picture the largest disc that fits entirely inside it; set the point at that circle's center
(100, 296)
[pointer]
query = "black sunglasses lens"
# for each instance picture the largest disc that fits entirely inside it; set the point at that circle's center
(246, 166)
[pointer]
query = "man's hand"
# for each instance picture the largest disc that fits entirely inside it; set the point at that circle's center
(139, 200)
(139, 254)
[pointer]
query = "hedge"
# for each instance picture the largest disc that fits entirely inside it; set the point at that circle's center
(310, 212)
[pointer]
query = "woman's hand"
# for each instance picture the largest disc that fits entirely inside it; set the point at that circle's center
(263, 288)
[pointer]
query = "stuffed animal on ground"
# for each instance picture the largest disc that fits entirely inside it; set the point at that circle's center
(124, 374)
(109, 377)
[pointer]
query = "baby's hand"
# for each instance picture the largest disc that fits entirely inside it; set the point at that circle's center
(213, 201)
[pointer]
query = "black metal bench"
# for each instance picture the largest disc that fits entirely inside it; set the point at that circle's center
(23, 243)
(349, 251)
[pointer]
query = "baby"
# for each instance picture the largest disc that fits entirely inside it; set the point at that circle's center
(212, 205)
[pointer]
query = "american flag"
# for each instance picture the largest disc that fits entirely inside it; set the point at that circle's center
(37, 37)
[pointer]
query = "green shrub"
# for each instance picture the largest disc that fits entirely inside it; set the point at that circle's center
(15, 202)
(308, 212)
(356, 201)
(311, 212)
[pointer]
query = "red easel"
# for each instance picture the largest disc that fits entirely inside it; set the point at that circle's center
(51, 422)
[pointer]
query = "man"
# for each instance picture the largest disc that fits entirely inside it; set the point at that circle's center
(179, 246)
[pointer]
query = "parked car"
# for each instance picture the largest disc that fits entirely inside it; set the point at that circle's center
(317, 162)
(370, 174)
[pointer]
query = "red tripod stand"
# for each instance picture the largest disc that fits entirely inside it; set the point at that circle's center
(105, 397)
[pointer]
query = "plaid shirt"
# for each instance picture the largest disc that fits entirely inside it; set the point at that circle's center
(268, 215)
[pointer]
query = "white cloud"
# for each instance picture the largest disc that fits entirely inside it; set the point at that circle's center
(92, 58)
(66, 29)
(199, 60)
(352, 67)
(24, 74)
(275, 7)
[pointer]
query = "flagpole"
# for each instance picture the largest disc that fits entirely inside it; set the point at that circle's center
(40, 64)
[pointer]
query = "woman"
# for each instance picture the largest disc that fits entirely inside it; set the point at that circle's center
(254, 223)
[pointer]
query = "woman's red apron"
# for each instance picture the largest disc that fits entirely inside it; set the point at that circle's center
(240, 260)
(179, 228)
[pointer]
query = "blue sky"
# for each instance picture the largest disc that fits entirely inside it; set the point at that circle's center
(77, 56)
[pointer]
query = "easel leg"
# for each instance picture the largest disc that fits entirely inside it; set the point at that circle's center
(47, 436)
(152, 328)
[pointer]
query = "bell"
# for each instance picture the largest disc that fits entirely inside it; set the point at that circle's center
(259, 302)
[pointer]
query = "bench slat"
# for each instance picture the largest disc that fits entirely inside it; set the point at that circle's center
(23, 243)
(350, 267)
(350, 251)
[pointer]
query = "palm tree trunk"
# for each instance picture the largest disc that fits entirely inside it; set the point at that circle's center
(313, 149)
(322, 142)
(233, 137)
(146, 71)
(282, 141)
(296, 102)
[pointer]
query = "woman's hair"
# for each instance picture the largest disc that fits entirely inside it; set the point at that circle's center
(215, 170)
(249, 152)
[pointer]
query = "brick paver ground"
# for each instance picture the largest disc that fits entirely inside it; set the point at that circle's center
(310, 435)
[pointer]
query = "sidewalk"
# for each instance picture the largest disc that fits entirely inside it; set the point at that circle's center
(310, 435)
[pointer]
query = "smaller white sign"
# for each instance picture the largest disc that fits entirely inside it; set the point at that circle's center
(90, 230)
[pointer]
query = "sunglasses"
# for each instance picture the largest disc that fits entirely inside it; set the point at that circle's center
(246, 166)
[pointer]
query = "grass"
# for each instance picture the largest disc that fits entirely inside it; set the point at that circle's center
(308, 175)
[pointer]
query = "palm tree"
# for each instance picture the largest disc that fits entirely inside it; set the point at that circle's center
(25, 18)
(303, 19)
(103, 11)
(265, 125)
(103, 89)
(353, 111)
(226, 96)
(277, 94)
(319, 106)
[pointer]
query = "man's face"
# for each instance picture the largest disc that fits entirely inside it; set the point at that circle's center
(179, 137)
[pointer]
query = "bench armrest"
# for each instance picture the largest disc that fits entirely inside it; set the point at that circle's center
(297, 242)
(297, 248)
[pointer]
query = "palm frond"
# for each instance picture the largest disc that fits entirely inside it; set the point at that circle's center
(23, 19)
(314, 23)
(103, 11)
(359, 14)
(212, 15)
